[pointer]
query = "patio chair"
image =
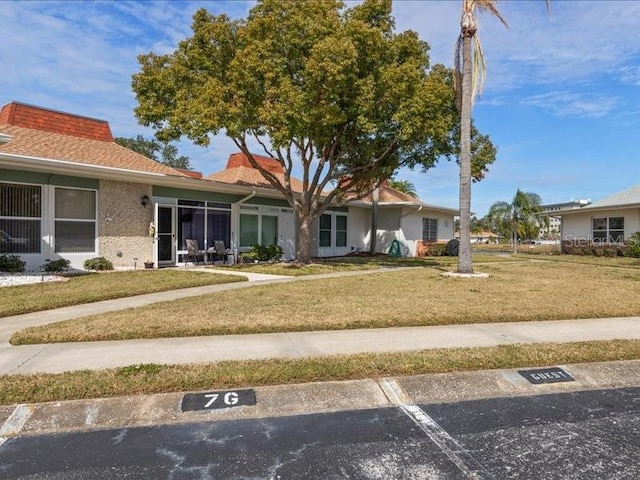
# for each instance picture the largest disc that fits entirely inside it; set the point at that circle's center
(194, 254)
(219, 252)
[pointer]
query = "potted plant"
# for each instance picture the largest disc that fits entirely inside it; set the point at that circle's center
(148, 264)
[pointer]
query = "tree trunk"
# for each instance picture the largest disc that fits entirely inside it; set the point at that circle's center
(465, 264)
(303, 237)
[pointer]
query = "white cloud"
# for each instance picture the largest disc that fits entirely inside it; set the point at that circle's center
(573, 104)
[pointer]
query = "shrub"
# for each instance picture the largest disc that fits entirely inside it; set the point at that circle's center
(59, 265)
(437, 249)
(633, 245)
(98, 263)
(263, 253)
(11, 263)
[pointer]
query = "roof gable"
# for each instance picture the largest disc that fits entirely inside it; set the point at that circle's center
(630, 196)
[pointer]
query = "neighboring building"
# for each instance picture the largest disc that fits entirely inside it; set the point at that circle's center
(609, 221)
(67, 190)
(555, 224)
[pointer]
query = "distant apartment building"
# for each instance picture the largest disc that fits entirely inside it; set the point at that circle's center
(554, 221)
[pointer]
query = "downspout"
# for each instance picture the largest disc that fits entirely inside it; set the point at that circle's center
(234, 245)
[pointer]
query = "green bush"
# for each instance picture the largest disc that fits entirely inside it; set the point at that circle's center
(98, 263)
(11, 264)
(633, 245)
(59, 265)
(437, 249)
(263, 253)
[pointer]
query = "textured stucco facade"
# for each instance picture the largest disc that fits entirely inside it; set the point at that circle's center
(123, 223)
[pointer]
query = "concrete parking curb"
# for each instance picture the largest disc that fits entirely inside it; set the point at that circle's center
(309, 398)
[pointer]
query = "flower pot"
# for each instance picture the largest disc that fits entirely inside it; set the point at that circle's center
(148, 264)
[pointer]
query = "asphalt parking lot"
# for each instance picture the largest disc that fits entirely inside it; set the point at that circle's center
(573, 435)
(578, 421)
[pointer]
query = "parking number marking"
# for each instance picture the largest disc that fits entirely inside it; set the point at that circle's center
(218, 400)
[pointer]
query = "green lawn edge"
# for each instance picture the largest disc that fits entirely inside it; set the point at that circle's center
(152, 378)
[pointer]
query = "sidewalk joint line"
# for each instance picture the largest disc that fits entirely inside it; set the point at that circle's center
(37, 354)
(294, 344)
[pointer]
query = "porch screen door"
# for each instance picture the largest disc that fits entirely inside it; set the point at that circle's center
(166, 236)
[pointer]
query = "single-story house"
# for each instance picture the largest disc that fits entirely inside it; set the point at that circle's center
(609, 221)
(67, 190)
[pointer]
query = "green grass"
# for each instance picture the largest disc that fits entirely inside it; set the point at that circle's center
(294, 270)
(95, 287)
(516, 291)
(151, 378)
(624, 262)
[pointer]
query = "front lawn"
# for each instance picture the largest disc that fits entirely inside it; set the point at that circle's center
(516, 291)
(101, 286)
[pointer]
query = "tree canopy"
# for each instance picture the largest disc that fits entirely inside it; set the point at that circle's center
(162, 152)
(520, 219)
(334, 94)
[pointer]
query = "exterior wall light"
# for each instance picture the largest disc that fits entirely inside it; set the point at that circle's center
(144, 200)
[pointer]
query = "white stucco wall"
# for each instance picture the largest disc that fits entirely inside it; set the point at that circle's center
(412, 226)
(577, 226)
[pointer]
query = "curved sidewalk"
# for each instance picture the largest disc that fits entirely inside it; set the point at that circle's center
(55, 358)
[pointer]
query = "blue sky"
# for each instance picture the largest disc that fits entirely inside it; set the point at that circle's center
(561, 99)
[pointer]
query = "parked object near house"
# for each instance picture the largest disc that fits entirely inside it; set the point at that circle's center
(607, 223)
(67, 190)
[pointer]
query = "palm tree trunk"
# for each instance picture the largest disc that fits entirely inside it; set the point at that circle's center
(465, 264)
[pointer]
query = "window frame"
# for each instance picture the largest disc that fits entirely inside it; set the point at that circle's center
(35, 219)
(55, 219)
(333, 230)
(607, 230)
(427, 222)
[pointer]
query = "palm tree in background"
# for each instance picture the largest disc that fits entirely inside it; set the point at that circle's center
(404, 186)
(469, 67)
(519, 219)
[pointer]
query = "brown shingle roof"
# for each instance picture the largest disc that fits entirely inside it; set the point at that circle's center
(55, 146)
(42, 133)
(240, 172)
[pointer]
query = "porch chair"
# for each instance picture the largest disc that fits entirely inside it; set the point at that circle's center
(219, 251)
(194, 254)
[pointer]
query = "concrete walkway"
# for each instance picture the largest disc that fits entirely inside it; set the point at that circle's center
(55, 358)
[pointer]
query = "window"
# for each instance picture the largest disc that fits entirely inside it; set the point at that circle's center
(20, 218)
(258, 227)
(269, 232)
(325, 231)
(341, 230)
(608, 229)
(332, 230)
(75, 220)
(429, 229)
(248, 230)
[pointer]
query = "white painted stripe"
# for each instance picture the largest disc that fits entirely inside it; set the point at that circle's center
(2, 440)
(16, 421)
(452, 449)
(393, 391)
(447, 444)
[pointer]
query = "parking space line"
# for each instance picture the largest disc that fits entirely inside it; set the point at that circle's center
(462, 459)
(15, 422)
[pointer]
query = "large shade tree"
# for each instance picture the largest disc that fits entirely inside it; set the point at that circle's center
(469, 66)
(160, 152)
(333, 94)
(521, 219)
